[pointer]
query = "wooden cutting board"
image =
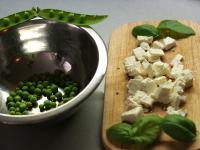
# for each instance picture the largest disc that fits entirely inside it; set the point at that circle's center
(120, 46)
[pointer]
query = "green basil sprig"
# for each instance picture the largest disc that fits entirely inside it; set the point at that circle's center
(146, 129)
(50, 14)
(172, 28)
(146, 30)
(70, 17)
(143, 131)
(179, 128)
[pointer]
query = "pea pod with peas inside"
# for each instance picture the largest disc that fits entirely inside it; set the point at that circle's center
(70, 17)
(17, 18)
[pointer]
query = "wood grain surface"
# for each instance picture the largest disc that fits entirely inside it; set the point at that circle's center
(120, 46)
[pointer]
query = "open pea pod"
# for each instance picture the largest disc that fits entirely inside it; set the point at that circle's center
(70, 17)
(16, 19)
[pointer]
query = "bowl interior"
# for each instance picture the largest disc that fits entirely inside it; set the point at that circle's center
(40, 46)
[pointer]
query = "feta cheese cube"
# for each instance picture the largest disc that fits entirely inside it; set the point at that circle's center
(131, 103)
(151, 58)
(134, 85)
(177, 70)
(132, 67)
(171, 110)
(148, 67)
(149, 86)
(160, 80)
(157, 44)
(145, 46)
(142, 98)
(169, 43)
(161, 68)
(176, 60)
(139, 53)
(138, 77)
(163, 92)
(156, 52)
(187, 74)
(132, 115)
(147, 39)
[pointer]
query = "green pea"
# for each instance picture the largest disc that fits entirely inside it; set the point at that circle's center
(22, 107)
(11, 104)
(46, 83)
(61, 103)
(25, 88)
(17, 104)
(17, 98)
(58, 95)
(17, 88)
(12, 94)
(40, 86)
(16, 18)
(39, 82)
(17, 109)
(25, 112)
(9, 99)
(29, 105)
(54, 88)
(25, 94)
(48, 87)
(41, 107)
(19, 92)
(48, 92)
(5, 22)
(53, 104)
(51, 14)
(37, 91)
(18, 113)
(32, 89)
(32, 99)
(75, 89)
(11, 109)
(67, 90)
(60, 15)
(53, 98)
(65, 100)
(47, 104)
(29, 84)
(12, 112)
(26, 15)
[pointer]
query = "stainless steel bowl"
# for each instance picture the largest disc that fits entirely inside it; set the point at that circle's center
(39, 46)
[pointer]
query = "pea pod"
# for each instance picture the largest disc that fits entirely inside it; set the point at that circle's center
(16, 19)
(70, 17)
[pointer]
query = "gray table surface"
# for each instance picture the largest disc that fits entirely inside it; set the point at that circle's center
(83, 130)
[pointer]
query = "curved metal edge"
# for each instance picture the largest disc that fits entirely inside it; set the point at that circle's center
(93, 84)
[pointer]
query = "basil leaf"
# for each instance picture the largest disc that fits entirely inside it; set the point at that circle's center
(121, 133)
(147, 129)
(179, 128)
(174, 29)
(146, 30)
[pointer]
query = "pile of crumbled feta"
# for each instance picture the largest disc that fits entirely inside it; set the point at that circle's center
(154, 81)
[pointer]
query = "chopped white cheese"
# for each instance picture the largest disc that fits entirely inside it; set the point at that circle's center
(176, 60)
(171, 110)
(187, 74)
(138, 77)
(169, 43)
(160, 80)
(161, 68)
(145, 46)
(162, 94)
(132, 115)
(156, 52)
(148, 67)
(147, 39)
(131, 103)
(149, 86)
(139, 53)
(133, 68)
(177, 70)
(157, 44)
(142, 98)
(134, 85)
(151, 58)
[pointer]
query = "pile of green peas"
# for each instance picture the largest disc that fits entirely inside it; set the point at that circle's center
(26, 95)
